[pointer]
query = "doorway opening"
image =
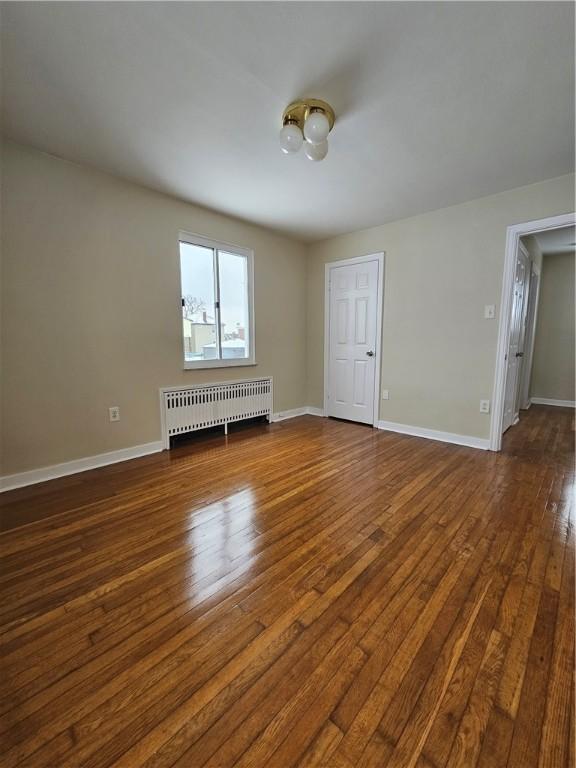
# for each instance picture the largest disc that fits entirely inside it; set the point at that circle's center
(535, 356)
(353, 298)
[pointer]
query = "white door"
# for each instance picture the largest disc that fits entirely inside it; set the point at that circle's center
(522, 340)
(515, 352)
(524, 398)
(353, 327)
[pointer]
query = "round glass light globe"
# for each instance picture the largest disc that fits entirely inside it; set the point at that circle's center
(290, 138)
(316, 152)
(316, 128)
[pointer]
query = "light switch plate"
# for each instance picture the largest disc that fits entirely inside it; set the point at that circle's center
(484, 406)
(385, 394)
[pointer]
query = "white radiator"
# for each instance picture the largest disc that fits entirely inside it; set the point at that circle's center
(187, 409)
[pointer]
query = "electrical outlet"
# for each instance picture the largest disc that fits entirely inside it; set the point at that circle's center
(385, 394)
(489, 312)
(484, 406)
(114, 413)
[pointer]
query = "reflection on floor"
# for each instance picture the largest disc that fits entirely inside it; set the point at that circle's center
(306, 593)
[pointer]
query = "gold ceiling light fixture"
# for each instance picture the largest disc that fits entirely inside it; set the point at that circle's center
(307, 122)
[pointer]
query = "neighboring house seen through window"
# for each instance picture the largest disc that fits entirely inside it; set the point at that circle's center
(217, 303)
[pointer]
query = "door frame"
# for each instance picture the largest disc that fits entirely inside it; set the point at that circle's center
(380, 258)
(513, 235)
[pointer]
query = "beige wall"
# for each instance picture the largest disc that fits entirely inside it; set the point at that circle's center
(91, 311)
(441, 269)
(553, 362)
(91, 315)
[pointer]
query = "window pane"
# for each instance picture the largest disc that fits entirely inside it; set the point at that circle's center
(198, 311)
(234, 305)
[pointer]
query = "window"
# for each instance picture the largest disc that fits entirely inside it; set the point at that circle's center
(217, 311)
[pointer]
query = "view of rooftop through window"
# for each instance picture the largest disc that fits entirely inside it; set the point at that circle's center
(214, 303)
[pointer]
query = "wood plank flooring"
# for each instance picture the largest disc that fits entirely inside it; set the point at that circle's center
(309, 593)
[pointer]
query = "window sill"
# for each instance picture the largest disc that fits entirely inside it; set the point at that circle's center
(207, 364)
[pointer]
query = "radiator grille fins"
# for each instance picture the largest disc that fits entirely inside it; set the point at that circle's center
(192, 408)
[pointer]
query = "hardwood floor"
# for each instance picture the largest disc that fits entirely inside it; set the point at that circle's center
(310, 593)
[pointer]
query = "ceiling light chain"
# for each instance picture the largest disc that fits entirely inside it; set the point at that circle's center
(310, 120)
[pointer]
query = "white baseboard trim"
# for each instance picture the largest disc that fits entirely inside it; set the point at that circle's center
(291, 414)
(433, 434)
(33, 476)
(549, 401)
(306, 410)
(9, 482)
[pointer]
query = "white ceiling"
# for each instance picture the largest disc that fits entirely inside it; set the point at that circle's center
(436, 103)
(557, 240)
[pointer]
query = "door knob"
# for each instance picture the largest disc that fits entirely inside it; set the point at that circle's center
(370, 353)
(519, 354)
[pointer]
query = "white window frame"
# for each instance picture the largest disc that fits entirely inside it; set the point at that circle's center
(248, 253)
